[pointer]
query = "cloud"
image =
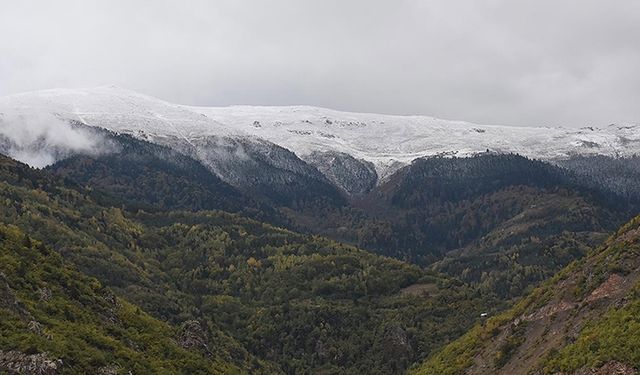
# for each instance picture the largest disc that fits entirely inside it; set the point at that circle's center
(42, 139)
(570, 62)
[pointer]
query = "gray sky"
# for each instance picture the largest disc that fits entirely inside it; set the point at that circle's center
(542, 62)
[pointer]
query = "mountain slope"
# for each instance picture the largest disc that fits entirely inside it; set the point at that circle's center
(586, 317)
(261, 169)
(386, 141)
(148, 176)
(56, 320)
(265, 299)
(47, 127)
(620, 176)
(501, 221)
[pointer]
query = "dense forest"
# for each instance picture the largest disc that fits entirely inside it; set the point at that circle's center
(319, 187)
(55, 319)
(304, 278)
(265, 298)
(502, 222)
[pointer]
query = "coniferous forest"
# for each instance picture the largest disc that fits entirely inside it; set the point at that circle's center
(144, 261)
(314, 187)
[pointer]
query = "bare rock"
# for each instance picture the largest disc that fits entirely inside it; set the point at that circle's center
(15, 362)
(35, 327)
(609, 368)
(109, 370)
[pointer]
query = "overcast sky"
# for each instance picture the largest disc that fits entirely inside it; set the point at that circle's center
(542, 62)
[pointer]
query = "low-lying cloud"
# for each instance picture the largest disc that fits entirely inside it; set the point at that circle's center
(40, 139)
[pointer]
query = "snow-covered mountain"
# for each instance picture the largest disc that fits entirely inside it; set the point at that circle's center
(386, 140)
(320, 136)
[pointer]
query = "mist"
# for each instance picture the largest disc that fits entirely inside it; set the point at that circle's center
(40, 139)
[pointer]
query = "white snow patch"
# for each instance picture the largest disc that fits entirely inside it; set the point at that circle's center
(385, 140)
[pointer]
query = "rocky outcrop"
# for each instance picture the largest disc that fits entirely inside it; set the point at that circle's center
(45, 294)
(14, 362)
(609, 368)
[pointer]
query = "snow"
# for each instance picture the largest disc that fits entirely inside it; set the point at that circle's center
(116, 109)
(385, 140)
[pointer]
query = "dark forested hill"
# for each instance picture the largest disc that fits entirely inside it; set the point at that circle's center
(503, 222)
(619, 176)
(586, 319)
(257, 297)
(248, 277)
(144, 175)
(263, 170)
(442, 204)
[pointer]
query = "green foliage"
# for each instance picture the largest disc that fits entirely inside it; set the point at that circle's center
(614, 336)
(608, 333)
(458, 355)
(48, 307)
(274, 301)
(268, 299)
(502, 222)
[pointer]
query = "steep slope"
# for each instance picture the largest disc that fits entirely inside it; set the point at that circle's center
(262, 298)
(45, 127)
(584, 320)
(619, 175)
(149, 176)
(98, 241)
(387, 140)
(440, 204)
(499, 221)
(262, 169)
(58, 321)
(503, 222)
(355, 176)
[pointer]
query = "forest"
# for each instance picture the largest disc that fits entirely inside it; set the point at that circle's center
(329, 283)
(267, 299)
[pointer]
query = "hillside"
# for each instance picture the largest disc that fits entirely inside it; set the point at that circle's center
(494, 219)
(500, 221)
(142, 175)
(265, 297)
(585, 318)
(503, 222)
(315, 240)
(56, 320)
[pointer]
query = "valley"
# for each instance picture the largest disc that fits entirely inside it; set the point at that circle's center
(248, 240)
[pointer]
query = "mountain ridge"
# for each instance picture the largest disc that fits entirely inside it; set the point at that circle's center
(387, 141)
